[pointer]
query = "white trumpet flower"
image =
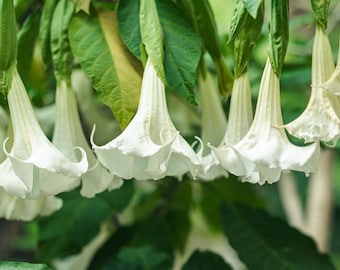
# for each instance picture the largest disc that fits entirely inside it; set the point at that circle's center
(68, 134)
(265, 150)
(333, 83)
(239, 122)
(214, 124)
(241, 111)
(321, 118)
(15, 208)
(34, 166)
(150, 147)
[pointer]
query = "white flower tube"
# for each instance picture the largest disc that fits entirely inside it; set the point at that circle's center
(38, 166)
(239, 122)
(150, 147)
(214, 124)
(68, 134)
(241, 111)
(333, 83)
(265, 150)
(321, 118)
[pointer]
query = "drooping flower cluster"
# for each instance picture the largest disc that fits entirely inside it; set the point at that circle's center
(265, 150)
(34, 170)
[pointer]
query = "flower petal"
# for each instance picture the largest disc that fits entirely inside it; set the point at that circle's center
(15, 208)
(97, 179)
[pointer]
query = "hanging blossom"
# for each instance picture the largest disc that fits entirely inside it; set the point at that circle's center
(265, 150)
(68, 134)
(333, 83)
(239, 122)
(321, 118)
(15, 208)
(150, 147)
(214, 125)
(34, 166)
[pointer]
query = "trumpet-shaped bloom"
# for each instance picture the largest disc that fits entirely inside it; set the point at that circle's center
(34, 166)
(265, 150)
(239, 122)
(68, 134)
(214, 125)
(241, 111)
(321, 118)
(150, 147)
(15, 208)
(333, 83)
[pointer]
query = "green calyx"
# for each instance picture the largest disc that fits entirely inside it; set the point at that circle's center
(8, 44)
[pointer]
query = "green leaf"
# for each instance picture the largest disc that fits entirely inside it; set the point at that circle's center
(278, 33)
(60, 45)
(265, 243)
(139, 258)
(45, 30)
(237, 20)
(22, 266)
(107, 254)
(128, 22)
(78, 221)
(204, 21)
(152, 35)
(205, 261)
(22, 8)
(26, 43)
(168, 208)
(252, 6)
(320, 8)
(182, 45)
(83, 5)
(225, 190)
(8, 45)
(143, 258)
(114, 71)
(182, 50)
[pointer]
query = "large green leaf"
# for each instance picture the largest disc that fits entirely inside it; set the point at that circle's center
(168, 208)
(265, 243)
(22, 266)
(114, 71)
(206, 261)
(225, 190)
(182, 45)
(128, 22)
(203, 18)
(78, 221)
(182, 50)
